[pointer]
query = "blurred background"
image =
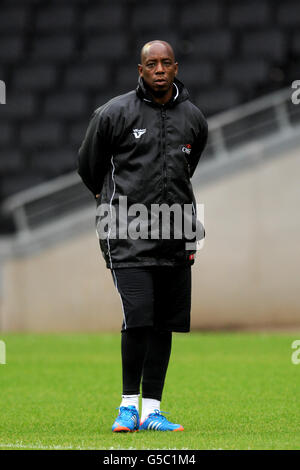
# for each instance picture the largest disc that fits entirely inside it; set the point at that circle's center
(60, 60)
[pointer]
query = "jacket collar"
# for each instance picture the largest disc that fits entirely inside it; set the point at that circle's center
(180, 93)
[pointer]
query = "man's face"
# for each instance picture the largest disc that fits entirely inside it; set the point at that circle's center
(158, 68)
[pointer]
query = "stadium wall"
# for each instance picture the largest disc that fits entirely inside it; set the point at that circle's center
(246, 275)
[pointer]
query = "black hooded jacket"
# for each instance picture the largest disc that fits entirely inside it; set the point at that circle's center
(148, 152)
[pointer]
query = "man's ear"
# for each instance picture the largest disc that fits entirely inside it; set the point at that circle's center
(140, 70)
(176, 70)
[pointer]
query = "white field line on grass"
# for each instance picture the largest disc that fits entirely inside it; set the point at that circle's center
(20, 445)
(39, 446)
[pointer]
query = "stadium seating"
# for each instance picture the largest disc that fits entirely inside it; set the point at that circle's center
(55, 19)
(53, 162)
(246, 74)
(56, 48)
(105, 47)
(245, 14)
(11, 161)
(40, 134)
(63, 59)
(151, 16)
(11, 48)
(19, 181)
(99, 18)
(268, 44)
(195, 16)
(65, 105)
(87, 78)
(19, 106)
(14, 20)
(6, 136)
(34, 78)
(289, 14)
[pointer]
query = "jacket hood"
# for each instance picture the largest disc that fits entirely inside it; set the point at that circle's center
(180, 92)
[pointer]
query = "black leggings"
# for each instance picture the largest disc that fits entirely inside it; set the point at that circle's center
(145, 356)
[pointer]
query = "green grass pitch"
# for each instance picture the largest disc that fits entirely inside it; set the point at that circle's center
(228, 390)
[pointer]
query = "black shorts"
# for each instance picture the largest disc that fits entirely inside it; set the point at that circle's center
(158, 296)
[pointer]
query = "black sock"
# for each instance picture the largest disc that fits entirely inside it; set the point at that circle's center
(134, 345)
(156, 363)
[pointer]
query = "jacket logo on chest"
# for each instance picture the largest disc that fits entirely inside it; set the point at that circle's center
(186, 148)
(138, 133)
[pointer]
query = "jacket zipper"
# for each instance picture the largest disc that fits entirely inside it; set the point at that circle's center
(163, 116)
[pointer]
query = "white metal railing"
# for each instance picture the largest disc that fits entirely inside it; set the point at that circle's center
(277, 102)
(40, 190)
(272, 100)
(68, 192)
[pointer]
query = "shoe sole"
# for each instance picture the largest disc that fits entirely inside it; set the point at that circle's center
(124, 429)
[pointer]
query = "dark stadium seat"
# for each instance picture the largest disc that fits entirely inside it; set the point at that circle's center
(205, 15)
(296, 44)
(151, 17)
(55, 18)
(269, 44)
(253, 13)
(91, 76)
(6, 134)
(289, 14)
(246, 73)
(54, 162)
(34, 77)
(84, 3)
(14, 19)
(20, 181)
(19, 106)
(219, 99)
(127, 77)
(11, 160)
(106, 47)
(22, 2)
(103, 17)
(213, 44)
(196, 74)
(11, 48)
(42, 134)
(65, 105)
(55, 48)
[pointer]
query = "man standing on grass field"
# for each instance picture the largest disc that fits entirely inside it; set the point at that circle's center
(144, 146)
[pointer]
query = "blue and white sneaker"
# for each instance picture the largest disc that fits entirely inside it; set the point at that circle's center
(157, 422)
(127, 420)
